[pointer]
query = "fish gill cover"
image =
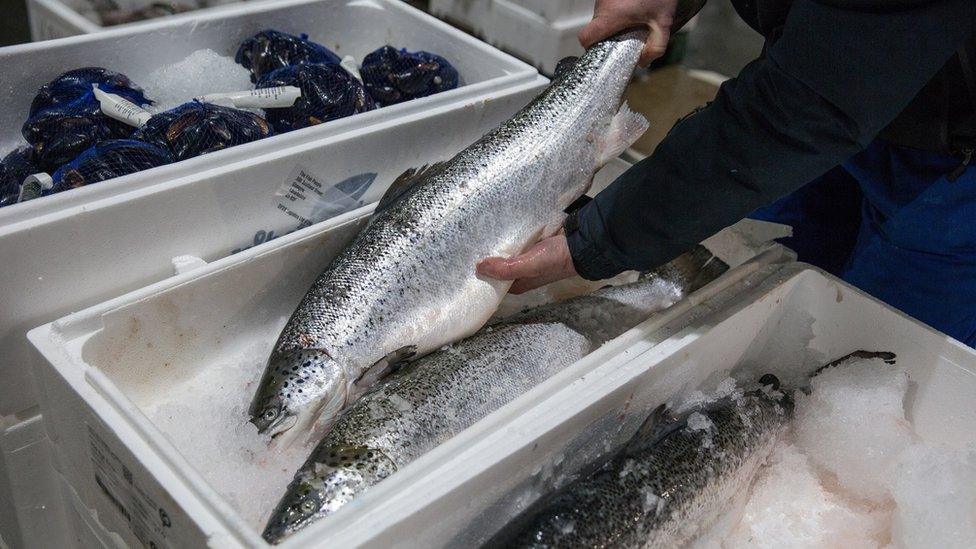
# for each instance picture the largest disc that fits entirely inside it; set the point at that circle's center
(107, 160)
(65, 117)
(14, 168)
(393, 76)
(269, 50)
(196, 128)
(328, 92)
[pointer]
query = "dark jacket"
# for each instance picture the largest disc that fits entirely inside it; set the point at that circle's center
(835, 74)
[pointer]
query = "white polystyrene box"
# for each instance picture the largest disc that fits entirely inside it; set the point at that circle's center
(31, 513)
(63, 259)
(348, 27)
(787, 320)
(91, 249)
(50, 19)
(558, 10)
(97, 369)
(516, 29)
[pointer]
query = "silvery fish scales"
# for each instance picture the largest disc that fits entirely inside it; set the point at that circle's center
(407, 285)
(441, 394)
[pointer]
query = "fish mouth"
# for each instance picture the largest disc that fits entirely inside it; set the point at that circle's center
(280, 425)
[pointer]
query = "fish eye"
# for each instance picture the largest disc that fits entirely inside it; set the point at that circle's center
(308, 506)
(271, 414)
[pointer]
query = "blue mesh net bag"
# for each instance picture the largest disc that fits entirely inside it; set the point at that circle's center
(65, 117)
(269, 50)
(328, 93)
(14, 168)
(197, 128)
(392, 76)
(113, 158)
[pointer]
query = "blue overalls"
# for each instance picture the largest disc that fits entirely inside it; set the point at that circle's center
(892, 223)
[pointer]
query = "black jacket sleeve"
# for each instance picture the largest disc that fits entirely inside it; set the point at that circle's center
(842, 70)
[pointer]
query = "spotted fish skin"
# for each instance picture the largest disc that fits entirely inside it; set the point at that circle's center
(407, 284)
(665, 487)
(441, 394)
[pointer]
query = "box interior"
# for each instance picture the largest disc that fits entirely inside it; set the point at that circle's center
(788, 325)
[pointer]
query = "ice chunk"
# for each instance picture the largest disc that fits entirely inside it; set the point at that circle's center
(789, 507)
(652, 502)
(853, 424)
(726, 388)
(202, 72)
(700, 422)
(935, 490)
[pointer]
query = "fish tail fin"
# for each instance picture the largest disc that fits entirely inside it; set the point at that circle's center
(658, 424)
(625, 127)
(712, 270)
(692, 269)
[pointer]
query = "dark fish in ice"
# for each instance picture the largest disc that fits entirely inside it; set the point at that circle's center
(667, 485)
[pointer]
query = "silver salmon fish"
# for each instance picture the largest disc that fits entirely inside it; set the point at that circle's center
(407, 284)
(668, 484)
(440, 395)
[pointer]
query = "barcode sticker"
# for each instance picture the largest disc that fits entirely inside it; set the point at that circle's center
(261, 98)
(148, 521)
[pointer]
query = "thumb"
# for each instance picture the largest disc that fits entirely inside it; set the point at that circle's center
(498, 268)
(602, 26)
(656, 44)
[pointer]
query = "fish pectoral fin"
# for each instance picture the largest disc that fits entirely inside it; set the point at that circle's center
(404, 184)
(385, 366)
(625, 127)
(564, 65)
(659, 423)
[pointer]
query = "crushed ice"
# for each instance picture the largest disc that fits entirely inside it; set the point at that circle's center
(207, 423)
(854, 474)
(202, 72)
(698, 421)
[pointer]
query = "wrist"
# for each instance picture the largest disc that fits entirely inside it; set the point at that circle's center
(587, 259)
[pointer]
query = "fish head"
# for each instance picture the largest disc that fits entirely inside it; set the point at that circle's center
(332, 477)
(299, 390)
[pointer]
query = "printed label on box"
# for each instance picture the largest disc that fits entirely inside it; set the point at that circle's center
(308, 200)
(148, 521)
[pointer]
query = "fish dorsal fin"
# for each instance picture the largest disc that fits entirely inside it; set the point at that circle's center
(564, 65)
(405, 183)
(658, 424)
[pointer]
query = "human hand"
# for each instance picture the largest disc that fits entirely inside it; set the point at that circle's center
(548, 261)
(658, 16)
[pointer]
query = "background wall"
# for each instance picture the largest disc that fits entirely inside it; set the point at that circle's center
(13, 22)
